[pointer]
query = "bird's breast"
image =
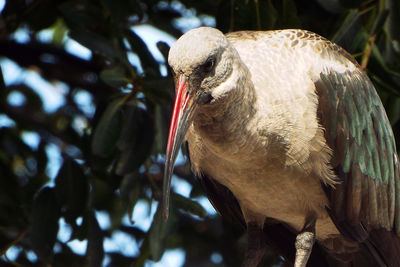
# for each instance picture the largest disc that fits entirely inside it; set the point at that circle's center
(263, 183)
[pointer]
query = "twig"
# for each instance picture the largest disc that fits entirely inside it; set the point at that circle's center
(367, 51)
(21, 235)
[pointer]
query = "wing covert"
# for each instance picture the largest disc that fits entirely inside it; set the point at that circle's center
(365, 159)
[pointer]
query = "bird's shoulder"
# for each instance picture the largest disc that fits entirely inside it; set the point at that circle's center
(292, 39)
(290, 34)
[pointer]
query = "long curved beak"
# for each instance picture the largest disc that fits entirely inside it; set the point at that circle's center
(182, 116)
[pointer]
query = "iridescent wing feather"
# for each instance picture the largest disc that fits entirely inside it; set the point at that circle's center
(367, 200)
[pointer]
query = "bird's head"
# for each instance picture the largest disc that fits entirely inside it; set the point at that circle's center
(202, 60)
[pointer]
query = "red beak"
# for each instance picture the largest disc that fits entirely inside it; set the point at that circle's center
(182, 116)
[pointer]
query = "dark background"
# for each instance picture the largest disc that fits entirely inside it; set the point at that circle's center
(114, 160)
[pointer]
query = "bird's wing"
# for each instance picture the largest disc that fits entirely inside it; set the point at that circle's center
(222, 199)
(358, 131)
(365, 159)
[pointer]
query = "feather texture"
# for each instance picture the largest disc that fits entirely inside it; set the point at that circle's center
(295, 130)
(364, 149)
(365, 158)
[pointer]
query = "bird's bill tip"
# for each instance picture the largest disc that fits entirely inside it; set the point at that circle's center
(177, 131)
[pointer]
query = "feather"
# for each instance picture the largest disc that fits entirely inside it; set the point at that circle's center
(365, 159)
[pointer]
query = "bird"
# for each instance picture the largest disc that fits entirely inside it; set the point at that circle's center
(288, 136)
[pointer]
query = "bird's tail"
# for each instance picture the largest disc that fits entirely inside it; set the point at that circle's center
(380, 249)
(387, 244)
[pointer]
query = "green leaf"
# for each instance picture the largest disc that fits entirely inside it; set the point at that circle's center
(38, 15)
(44, 226)
(130, 191)
(159, 90)
(379, 21)
(95, 250)
(153, 245)
(101, 195)
(80, 17)
(246, 15)
(163, 47)
(289, 18)
(158, 234)
(350, 3)
(118, 9)
(147, 61)
(135, 141)
(72, 188)
(392, 25)
(162, 119)
(95, 42)
(107, 130)
(114, 77)
(350, 19)
(117, 212)
(188, 205)
(2, 84)
(60, 31)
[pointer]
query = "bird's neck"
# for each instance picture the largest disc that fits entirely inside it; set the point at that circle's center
(224, 120)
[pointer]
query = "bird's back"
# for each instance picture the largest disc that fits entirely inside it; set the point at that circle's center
(282, 57)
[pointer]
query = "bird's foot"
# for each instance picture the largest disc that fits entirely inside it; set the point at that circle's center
(304, 244)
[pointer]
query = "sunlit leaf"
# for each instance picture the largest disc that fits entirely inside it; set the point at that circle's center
(114, 77)
(60, 31)
(188, 205)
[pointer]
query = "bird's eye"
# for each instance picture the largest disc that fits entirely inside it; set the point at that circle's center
(209, 64)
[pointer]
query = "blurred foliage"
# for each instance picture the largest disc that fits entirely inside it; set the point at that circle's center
(110, 160)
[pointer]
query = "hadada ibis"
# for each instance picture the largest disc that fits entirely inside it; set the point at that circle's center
(287, 135)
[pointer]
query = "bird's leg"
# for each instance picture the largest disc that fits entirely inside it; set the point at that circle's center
(255, 245)
(304, 243)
